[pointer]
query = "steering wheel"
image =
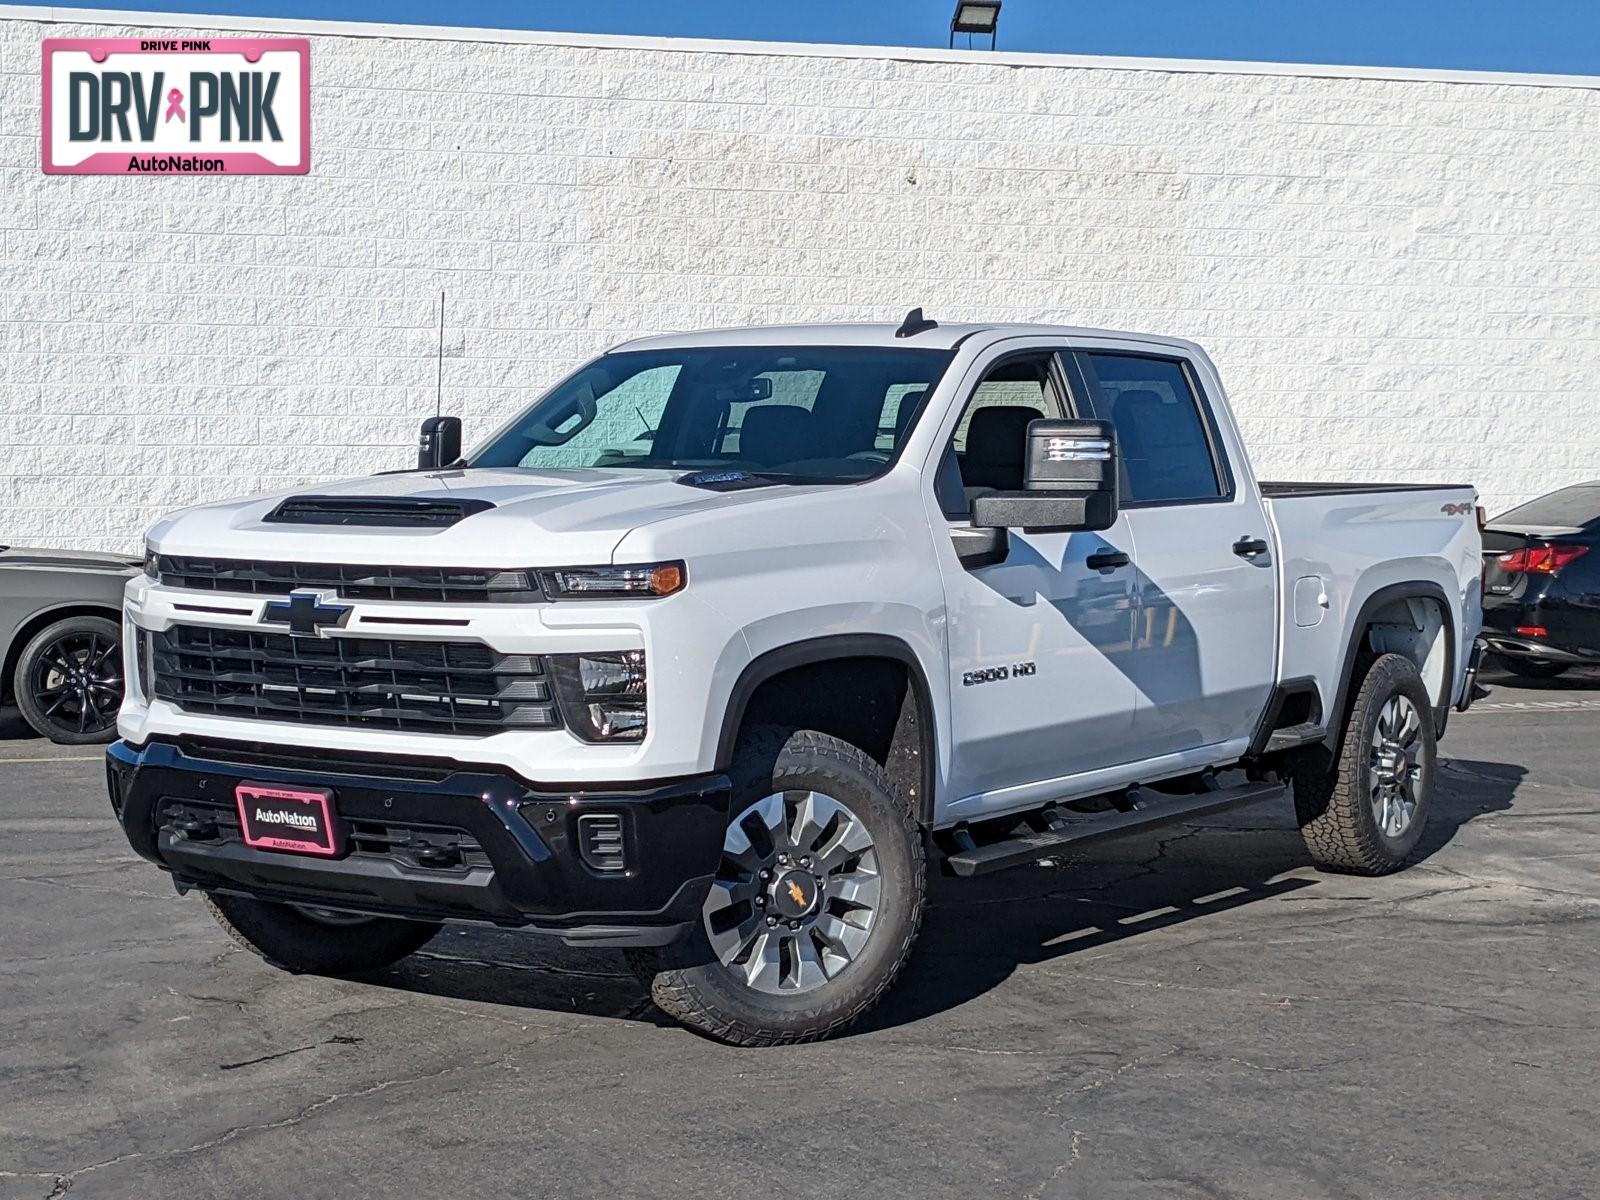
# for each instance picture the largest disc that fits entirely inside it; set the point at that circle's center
(877, 456)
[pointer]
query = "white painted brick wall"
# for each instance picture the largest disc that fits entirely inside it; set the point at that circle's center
(1398, 278)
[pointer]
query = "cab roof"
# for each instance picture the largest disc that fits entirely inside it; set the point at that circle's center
(938, 337)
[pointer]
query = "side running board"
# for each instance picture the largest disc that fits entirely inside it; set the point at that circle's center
(1063, 828)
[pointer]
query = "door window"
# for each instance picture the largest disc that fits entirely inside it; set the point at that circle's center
(1162, 435)
(989, 447)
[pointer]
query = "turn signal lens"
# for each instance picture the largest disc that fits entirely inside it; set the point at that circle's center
(1547, 559)
(152, 562)
(608, 583)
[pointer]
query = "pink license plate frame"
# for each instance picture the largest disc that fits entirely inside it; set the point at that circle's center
(284, 813)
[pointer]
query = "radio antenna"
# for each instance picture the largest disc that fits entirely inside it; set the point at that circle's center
(438, 404)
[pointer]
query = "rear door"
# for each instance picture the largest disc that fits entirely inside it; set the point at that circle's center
(1203, 660)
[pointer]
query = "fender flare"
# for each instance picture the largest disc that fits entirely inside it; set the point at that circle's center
(833, 648)
(1417, 589)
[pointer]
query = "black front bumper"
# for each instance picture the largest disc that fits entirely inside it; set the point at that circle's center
(431, 839)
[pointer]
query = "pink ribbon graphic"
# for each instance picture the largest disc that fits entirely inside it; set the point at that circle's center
(175, 105)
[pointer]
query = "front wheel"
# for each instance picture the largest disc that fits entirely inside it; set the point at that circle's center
(1363, 811)
(317, 941)
(815, 906)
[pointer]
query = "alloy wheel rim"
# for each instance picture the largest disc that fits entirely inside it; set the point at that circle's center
(1397, 769)
(77, 683)
(796, 895)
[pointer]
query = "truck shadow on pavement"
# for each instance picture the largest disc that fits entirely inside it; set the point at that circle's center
(977, 933)
(1138, 887)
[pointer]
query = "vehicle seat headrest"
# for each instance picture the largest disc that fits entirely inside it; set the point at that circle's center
(776, 433)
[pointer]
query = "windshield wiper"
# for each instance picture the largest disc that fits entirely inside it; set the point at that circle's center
(738, 479)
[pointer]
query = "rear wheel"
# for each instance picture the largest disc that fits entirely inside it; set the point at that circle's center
(816, 904)
(68, 682)
(1533, 668)
(1363, 811)
(318, 941)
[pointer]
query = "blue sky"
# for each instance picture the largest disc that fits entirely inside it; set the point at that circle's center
(1558, 36)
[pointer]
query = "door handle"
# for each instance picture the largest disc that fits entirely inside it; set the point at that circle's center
(1249, 547)
(1105, 560)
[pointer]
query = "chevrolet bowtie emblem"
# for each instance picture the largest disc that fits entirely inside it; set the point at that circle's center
(306, 613)
(796, 892)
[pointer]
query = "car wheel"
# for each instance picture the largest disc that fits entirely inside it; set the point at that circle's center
(816, 903)
(1363, 811)
(318, 941)
(68, 681)
(1532, 668)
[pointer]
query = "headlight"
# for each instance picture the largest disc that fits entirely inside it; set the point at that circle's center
(614, 583)
(152, 562)
(602, 696)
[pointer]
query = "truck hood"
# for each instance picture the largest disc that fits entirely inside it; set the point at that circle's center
(537, 518)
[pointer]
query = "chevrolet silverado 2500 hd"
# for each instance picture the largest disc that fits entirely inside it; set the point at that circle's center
(708, 653)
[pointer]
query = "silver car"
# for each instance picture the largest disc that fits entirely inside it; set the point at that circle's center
(61, 640)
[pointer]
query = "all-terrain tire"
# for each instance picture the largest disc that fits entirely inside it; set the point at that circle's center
(690, 984)
(297, 941)
(1333, 790)
(1532, 668)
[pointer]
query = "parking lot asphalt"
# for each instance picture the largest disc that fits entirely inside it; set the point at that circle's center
(1196, 1012)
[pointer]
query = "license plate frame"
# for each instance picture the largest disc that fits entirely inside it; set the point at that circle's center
(289, 820)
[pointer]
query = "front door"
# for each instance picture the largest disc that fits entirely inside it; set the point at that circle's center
(1203, 659)
(1040, 631)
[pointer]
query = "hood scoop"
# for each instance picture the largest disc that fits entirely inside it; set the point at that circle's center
(408, 511)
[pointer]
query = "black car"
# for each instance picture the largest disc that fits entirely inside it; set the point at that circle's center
(1541, 594)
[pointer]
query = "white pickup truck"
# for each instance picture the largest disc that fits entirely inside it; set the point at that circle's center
(711, 651)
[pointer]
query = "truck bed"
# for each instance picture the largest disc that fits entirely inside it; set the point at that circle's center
(1341, 544)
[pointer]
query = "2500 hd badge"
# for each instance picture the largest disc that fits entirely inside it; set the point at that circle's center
(1019, 670)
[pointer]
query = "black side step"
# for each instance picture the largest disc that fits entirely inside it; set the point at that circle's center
(1074, 829)
(1291, 736)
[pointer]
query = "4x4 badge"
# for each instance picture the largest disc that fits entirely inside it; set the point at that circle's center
(307, 613)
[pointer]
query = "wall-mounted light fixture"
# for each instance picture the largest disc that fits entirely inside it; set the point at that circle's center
(975, 16)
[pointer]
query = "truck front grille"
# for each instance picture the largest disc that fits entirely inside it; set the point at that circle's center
(426, 687)
(438, 585)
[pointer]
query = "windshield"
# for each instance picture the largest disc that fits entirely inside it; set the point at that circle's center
(812, 414)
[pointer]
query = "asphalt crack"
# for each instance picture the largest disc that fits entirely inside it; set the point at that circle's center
(1074, 1153)
(338, 1039)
